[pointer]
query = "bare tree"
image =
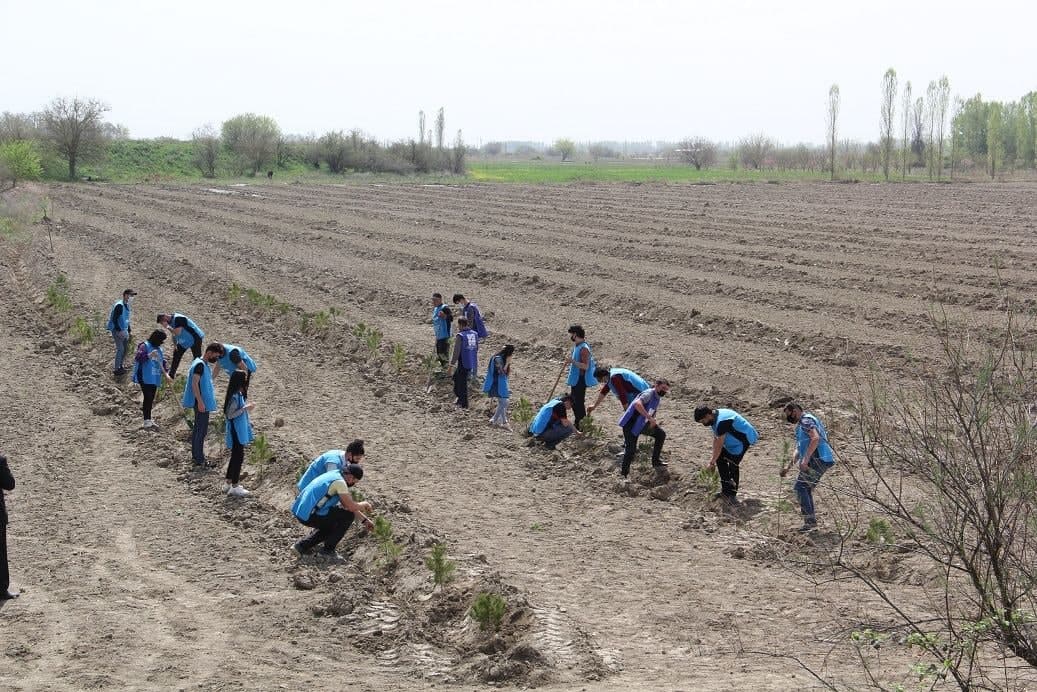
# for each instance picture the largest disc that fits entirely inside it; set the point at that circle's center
(918, 131)
(421, 127)
(18, 126)
(905, 130)
(931, 108)
(889, 95)
(207, 145)
(698, 152)
(959, 108)
(334, 151)
(943, 89)
(75, 129)
(457, 164)
(832, 120)
(440, 128)
(754, 150)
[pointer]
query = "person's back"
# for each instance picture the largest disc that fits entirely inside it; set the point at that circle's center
(314, 498)
(333, 459)
(740, 433)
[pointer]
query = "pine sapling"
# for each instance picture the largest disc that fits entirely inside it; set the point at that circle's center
(442, 568)
(488, 610)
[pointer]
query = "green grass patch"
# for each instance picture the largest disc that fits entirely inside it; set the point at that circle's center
(621, 171)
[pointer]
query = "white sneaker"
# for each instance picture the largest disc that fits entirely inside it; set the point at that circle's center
(227, 487)
(150, 424)
(238, 491)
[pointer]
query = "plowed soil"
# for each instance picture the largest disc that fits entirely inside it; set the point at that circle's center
(139, 573)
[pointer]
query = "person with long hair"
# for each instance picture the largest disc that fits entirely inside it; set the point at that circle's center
(236, 409)
(496, 385)
(149, 367)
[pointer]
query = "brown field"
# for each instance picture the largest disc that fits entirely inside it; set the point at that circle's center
(138, 573)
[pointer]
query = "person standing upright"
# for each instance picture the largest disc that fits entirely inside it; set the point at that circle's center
(6, 485)
(470, 311)
(200, 396)
(813, 455)
(496, 385)
(121, 329)
(441, 318)
(639, 419)
(186, 334)
(237, 412)
(581, 372)
(149, 367)
(732, 437)
(464, 360)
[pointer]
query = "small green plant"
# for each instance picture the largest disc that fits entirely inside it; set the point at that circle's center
(82, 331)
(391, 550)
(259, 454)
(57, 294)
(356, 493)
(254, 297)
(334, 313)
(536, 526)
(235, 292)
(360, 330)
(321, 321)
(879, 532)
(304, 323)
(442, 568)
(594, 431)
(373, 339)
(709, 479)
(399, 357)
(523, 411)
(488, 610)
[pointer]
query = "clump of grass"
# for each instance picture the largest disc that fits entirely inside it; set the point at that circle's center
(57, 294)
(321, 321)
(373, 339)
(709, 479)
(399, 357)
(235, 292)
(488, 610)
(83, 332)
(441, 567)
(879, 532)
(523, 411)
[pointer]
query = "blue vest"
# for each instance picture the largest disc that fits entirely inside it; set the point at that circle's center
(631, 413)
(320, 466)
(742, 434)
(150, 371)
(636, 381)
(204, 386)
(469, 349)
(439, 325)
(124, 319)
(474, 317)
(227, 364)
(314, 499)
(186, 338)
(242, 425)
(543, 417)
(824, 450)
(496, 382)
(575, 372)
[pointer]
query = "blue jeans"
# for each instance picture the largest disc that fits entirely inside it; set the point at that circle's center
(555, 433)
(806, 481)
(121, 339)
(201, 429)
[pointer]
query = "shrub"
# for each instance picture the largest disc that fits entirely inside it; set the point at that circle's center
(19, 160)
(373, 339)
(879, 532)
(57, 294)
(321, 321)
(523, 411)
(594, 431)
(709, 479)
(399, 357)
(488, 610)
(259, 454)
(383, 532)
(442, 568)
(82, 331)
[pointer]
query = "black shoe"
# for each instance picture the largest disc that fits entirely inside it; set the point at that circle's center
(807, 527)
(9, 595)
(301, 548)
(330, 555)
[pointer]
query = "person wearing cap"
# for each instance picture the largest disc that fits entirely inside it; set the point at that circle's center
(235, 358)
(6, 484)
(441, 318)
(237, 412)
(814, 456)
(149, 368)
(333, 460)
(200, 395)
(187, 335)
(581, 372)
(551, 424)
(732, 437)
(496, 385)
(464, 360)
(639, 419)
(326, 506)
(119, 325)
(625, 384)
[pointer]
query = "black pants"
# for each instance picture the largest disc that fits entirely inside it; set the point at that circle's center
(727, 467)
(178, 353)
(579, 395)
(237, 456)
(328, 529)
(630, 445)
(5, 576)
(149, 399)
(443, 350)
(461, 386)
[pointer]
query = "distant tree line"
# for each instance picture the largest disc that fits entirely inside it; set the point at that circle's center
(70, 132)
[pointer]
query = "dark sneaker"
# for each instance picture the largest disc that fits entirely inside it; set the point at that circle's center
(807, 527)
(331, 556)
(301, 548)
(8, 595)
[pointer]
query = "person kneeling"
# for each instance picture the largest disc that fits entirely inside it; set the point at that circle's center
(326, 506)
(551, 424)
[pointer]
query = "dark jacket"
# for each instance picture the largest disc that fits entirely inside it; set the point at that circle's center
(6, 483)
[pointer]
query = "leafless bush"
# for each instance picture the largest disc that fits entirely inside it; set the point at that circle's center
(698, 152)
(754, 149)
(206, 150)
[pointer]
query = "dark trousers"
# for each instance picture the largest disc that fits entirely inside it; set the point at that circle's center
(198, 433)
(443, 350)
(237, 456)
(630, 445)
(178, 353)
(149, 399)
(555, 433)
(727, 468)
(328, 529)
(579, 395)
(461, 386)
(5, 576)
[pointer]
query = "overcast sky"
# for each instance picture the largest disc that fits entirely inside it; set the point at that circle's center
(637, 70)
